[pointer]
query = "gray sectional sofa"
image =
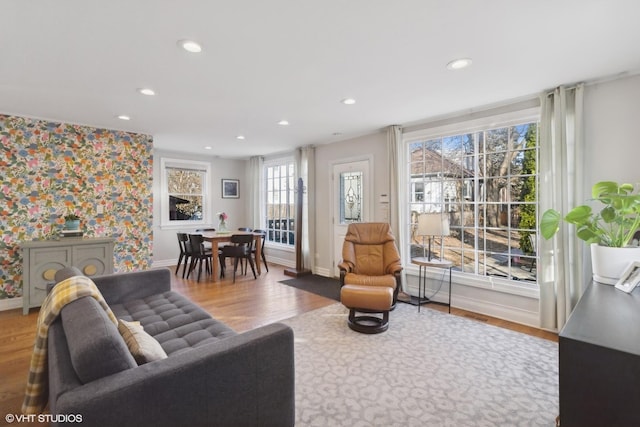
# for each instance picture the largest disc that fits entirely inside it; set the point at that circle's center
(212, 376)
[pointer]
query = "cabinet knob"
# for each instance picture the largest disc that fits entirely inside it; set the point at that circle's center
(49, 274)
(90, 270)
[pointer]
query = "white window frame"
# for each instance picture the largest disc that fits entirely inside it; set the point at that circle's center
(169, 163)
(265, 200)
(460, 126)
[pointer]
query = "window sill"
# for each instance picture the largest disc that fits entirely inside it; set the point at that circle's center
(511, 287)
(279, 247)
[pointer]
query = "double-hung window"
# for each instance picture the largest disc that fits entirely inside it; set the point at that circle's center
(184, 192)
(484, 181)
(279, 178)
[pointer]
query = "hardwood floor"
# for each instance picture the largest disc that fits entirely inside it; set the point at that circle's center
(245, 305)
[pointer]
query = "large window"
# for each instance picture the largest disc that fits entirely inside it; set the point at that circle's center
(184, 185)
(279, 179)
(485, 183)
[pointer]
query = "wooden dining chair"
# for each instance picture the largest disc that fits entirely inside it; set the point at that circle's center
(207, 245)
(185, 252)
(240, 249)
(199, 254)
(263, 238)
(243, 262)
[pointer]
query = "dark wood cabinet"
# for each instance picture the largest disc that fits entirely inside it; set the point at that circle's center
(600, 360)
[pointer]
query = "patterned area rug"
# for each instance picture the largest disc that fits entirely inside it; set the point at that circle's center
(429, 369)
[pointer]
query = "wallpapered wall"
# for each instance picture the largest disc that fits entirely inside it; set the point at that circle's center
(48, 169)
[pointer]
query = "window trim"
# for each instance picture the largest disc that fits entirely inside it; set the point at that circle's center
(170, 163)
(455, 126)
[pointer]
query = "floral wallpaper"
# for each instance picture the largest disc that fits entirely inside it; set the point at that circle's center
(49, 169)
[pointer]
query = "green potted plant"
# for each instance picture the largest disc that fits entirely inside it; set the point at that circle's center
(609, 231)
(71, 221)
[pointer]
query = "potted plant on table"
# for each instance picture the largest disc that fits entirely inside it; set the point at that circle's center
(609, 231)
(71, 221)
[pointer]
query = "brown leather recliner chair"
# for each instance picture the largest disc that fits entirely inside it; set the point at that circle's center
(370, 257)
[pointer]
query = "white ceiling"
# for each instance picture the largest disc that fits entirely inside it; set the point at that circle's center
(82, 61)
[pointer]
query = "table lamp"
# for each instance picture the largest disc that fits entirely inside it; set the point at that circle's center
(432, 224)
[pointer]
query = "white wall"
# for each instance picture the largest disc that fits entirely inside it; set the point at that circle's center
(374, 146)
(165, 244)
(612, 137)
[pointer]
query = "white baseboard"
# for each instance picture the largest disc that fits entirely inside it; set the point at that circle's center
(164, 263)
(282, 261)
(10, 303)
(326, 272)
(507, 307)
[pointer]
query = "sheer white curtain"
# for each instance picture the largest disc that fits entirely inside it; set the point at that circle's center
(396, 209)
(561, 274)
(394, 141)
(305, 169)
(255, 192)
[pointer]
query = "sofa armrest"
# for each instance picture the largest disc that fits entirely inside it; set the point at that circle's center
(244, 380)
(119, 287)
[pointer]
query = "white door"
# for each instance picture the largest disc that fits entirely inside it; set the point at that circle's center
(351, 201)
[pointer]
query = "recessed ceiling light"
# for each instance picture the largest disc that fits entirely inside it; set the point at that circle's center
(458, 64)
(124, 117)
(208, 148)
(241, 137)
(283, 123)
(190, 46)
(348, 101)
(146, 91)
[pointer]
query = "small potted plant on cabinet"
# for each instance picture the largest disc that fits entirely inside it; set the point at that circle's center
(71, 221)
(609, 231)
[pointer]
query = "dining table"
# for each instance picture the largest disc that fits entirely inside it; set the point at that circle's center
(217, 237)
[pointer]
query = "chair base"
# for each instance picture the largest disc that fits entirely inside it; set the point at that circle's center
(371, 300)
(368, 324)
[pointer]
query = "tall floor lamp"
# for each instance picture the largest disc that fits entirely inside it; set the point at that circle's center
(431, 225)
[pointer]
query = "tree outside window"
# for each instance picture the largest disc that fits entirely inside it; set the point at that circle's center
(486, 184)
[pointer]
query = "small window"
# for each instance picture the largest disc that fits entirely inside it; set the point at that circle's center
(279, 177)
(184, 192)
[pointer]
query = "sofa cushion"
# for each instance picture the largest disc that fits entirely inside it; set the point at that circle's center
(175, 322)
(142, 346)
(96, 347)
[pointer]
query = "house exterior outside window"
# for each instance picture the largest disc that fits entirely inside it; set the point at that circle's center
(185, 197)
(485, 182)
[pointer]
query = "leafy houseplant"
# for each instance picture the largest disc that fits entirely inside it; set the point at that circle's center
(613, 226)
(609, 231)
(72, 221)
(71, 217)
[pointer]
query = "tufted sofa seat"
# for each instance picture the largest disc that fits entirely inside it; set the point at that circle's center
(210, 375)
(174, 321)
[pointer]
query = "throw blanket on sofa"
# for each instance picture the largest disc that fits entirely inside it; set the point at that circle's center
(63, 293)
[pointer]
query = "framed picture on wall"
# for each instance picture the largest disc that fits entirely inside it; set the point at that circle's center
(230, 188)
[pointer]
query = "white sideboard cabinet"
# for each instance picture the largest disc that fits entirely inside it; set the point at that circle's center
(41, 259)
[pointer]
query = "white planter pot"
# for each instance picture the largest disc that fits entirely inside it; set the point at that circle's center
(608, 264)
